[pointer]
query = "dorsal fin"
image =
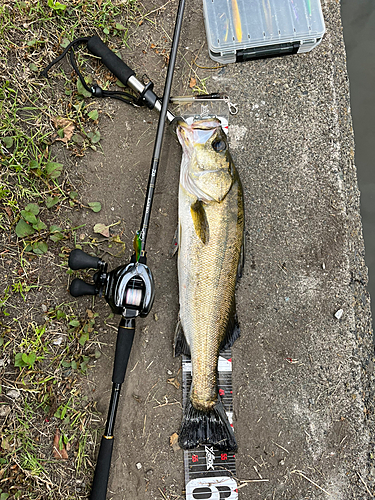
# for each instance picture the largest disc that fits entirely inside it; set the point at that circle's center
(241, 262)
(233, 330)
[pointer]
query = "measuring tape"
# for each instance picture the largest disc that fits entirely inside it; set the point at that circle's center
(210, 473)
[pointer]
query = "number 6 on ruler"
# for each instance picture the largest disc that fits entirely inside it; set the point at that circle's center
(217, 487)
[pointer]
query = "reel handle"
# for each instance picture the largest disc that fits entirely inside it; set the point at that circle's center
(97, 47)
(79, 287)
(82, 260)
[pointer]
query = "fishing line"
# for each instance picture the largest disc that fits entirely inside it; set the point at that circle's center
(95, 90)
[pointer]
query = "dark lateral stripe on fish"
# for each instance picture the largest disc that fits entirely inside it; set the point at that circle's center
(206, 428)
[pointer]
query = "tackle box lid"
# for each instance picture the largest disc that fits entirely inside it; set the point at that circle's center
(239, 30)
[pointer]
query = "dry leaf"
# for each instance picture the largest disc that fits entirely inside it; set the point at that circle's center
(67, 126)
(57, 453)
(102, 229)
(173, 381)
(193, 82)
(5, 444)
(4, 410)
(153, 46)
(173, 441)
(9, 212)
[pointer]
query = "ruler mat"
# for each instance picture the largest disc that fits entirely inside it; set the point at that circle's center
(210, 473)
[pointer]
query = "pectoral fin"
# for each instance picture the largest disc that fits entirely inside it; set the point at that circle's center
(174, 248)
(200, 221)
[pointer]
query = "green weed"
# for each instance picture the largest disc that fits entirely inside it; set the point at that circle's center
(33, 348)
(46, 348)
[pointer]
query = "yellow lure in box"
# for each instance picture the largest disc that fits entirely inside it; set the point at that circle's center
(237, 20)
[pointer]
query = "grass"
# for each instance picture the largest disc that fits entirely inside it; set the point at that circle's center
(46, 348)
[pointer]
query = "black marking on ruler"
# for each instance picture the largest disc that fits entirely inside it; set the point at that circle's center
(210, 473)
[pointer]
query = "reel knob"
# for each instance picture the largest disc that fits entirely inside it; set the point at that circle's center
(79, 287)
(82, 260)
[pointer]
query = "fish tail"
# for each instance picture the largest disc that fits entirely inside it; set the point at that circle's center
(206, 427)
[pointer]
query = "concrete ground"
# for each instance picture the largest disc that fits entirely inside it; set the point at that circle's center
(303, 394)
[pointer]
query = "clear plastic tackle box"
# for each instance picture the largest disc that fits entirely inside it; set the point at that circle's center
(240, 30)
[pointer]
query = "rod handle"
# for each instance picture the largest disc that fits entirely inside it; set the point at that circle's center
(82, 260)
(124, 344)
(97, 47)
(79, 287)
(101, 475)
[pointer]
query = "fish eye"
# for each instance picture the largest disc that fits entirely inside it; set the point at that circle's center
(219, 145)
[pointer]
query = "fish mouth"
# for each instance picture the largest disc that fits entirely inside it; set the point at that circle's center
(203, 171)
(202, 123)
(177, 121)
(199, 132)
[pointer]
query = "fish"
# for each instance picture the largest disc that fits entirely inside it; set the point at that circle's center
(210, 257)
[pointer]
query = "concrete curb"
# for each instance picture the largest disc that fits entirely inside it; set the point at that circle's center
(303, 369)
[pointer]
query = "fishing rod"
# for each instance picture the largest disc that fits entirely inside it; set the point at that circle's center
(128, 289)
(146, 95)
(126, 76)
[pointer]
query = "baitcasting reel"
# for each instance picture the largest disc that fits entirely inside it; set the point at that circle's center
(128, 289)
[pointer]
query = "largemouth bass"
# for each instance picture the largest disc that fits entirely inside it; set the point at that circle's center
(210, 244)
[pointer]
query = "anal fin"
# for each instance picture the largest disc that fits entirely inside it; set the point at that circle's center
(180, 343)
